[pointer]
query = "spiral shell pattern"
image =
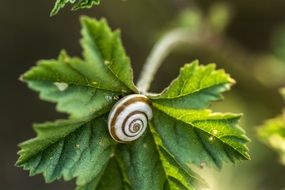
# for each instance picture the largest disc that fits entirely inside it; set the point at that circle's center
(129, 117)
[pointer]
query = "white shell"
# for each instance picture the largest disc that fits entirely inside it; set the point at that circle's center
(128, 118)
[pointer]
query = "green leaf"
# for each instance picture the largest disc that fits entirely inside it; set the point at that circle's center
(76, 100)
(149, 167)
(140, 162)
(282, 91)
(113, 178)
(84, 87)
(200, 136)
(278, 42)
(275, 126)
(272, 132)
(77, 4)
(195, 87)
(177, 174)
(182, 134)
(71, 71)
(104, 49)
(183, 123)
(68, 149)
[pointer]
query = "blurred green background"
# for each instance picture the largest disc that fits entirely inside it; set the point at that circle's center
(249, 42)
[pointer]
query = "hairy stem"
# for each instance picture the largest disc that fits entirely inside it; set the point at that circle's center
(159, 52)
(232, 57)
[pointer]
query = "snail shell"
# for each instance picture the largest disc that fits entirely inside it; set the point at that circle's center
(129, 117)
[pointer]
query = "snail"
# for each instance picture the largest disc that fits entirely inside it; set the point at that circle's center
(129, 117)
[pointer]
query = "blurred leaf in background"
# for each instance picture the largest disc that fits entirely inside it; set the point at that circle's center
(77, 4)
(278, 43)
(273, 133)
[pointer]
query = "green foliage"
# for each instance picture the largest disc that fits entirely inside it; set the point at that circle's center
(183, 133)
(273, 133)
(69, 149)
(278, 43)
(77, 4)
(86, 87)
(195, 88)
(213, 138)
(282, 91)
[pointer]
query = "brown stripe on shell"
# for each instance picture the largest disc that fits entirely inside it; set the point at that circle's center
(113, 133)
(133, 113)
(121, 108)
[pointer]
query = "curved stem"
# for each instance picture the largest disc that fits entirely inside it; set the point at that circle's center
(233, 57)
(159, 52)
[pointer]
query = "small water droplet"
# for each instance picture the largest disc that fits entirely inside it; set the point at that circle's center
(62, 86)
(116, 97)
(211, 138)
(108, 98)
(107, 62)
(214, 132)
(95, 83)
(112, 155)
(202, 164)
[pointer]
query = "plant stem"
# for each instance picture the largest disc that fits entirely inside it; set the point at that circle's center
(159, 52)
